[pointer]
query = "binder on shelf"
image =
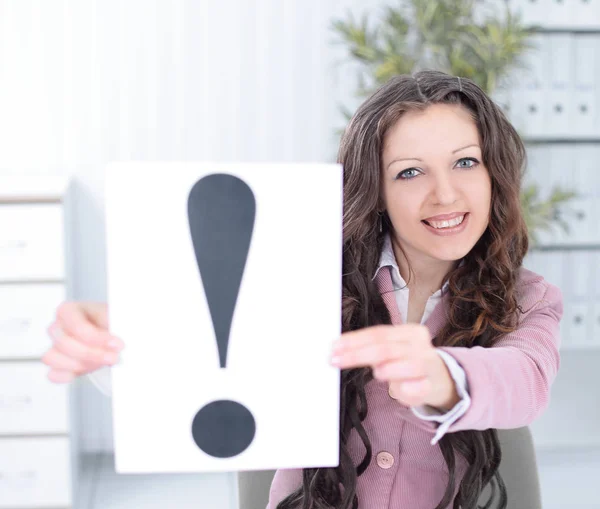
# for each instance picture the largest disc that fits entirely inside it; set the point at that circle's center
(596, 269)
(580, 210)
(586, 14)
(586, 177)
(594, 214)
(578, 276)
(550, 265)
(581, 221)
(595, 319)
(502, 97)
(595, 299)
(585, 108)
(554, 266)
(530, 10)
(595, 108)
(559, 119)
(538, 174)
(534, 170)
(579, 218)
(576, 325)
(512, 95)
(558, 14)
(528, 94)
(562, 162)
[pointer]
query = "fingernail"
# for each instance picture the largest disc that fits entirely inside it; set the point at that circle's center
(336, 360)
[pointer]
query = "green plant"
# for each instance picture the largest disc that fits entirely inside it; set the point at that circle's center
(464, 38)
(545, 215)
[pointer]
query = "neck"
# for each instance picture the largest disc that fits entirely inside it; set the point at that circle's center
(427, 274)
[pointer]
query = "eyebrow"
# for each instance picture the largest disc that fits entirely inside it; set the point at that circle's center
(468, 146)
(417, 159)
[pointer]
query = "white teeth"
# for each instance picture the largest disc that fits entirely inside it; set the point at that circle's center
(447, 224)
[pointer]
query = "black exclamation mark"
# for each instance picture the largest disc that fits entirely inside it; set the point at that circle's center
(221, 210)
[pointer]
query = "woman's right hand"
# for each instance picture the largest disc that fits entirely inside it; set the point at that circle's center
(82, 342)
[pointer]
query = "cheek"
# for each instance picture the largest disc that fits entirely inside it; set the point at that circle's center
(403, 203)
(482, 208)
(480, 192)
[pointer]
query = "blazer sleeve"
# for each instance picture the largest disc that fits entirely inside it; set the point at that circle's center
(509, 384)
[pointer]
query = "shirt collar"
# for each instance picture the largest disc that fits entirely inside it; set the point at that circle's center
(387, 257)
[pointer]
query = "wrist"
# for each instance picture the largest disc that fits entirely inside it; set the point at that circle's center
(444, 395)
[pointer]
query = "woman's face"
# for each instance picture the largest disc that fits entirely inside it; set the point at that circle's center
(432, 166)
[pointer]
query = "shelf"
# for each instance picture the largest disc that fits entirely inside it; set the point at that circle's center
(6, 436)
(20, 282)
(32, 188)
(20, 360)
(566, 247)
(579, 347)
(559, 140)
(567, 30)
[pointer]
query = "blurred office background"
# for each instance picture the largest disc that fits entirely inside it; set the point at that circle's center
(85, 82)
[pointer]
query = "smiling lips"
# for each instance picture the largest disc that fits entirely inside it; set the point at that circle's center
(446, 220)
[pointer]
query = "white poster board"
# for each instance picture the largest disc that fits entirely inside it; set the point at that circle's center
(286, 317)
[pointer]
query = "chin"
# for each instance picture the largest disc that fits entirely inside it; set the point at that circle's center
(452, 254)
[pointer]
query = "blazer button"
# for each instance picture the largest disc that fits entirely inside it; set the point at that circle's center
(385, 460)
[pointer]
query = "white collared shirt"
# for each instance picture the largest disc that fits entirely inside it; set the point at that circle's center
(427, 413)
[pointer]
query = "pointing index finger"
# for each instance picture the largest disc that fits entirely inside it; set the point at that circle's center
(362, 337)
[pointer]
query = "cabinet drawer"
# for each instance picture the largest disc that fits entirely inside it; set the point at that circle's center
(595, 318)
(25, 313)
(31, 241)
(35, 472)
(29, 402)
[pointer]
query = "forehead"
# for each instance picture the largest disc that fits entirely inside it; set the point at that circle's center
(443, 127)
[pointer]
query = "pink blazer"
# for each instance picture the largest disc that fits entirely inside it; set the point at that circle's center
(509, 386)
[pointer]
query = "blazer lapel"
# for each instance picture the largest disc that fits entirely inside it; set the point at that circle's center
(436, 320)
(386, 289)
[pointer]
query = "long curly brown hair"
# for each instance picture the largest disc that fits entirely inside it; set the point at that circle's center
(481, 291)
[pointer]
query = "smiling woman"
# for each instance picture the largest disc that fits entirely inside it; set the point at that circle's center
(447, 338)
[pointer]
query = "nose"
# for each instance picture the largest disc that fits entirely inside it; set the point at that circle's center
(444, 191)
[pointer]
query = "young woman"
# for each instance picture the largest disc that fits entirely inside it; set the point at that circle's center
(446, 336)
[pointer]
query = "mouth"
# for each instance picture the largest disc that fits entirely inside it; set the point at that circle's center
(447, 227)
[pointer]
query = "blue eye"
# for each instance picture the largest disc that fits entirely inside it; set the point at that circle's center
(472, 160)
(405, 174)
(411, 173)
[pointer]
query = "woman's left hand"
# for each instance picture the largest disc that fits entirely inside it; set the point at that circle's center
(403, 356)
